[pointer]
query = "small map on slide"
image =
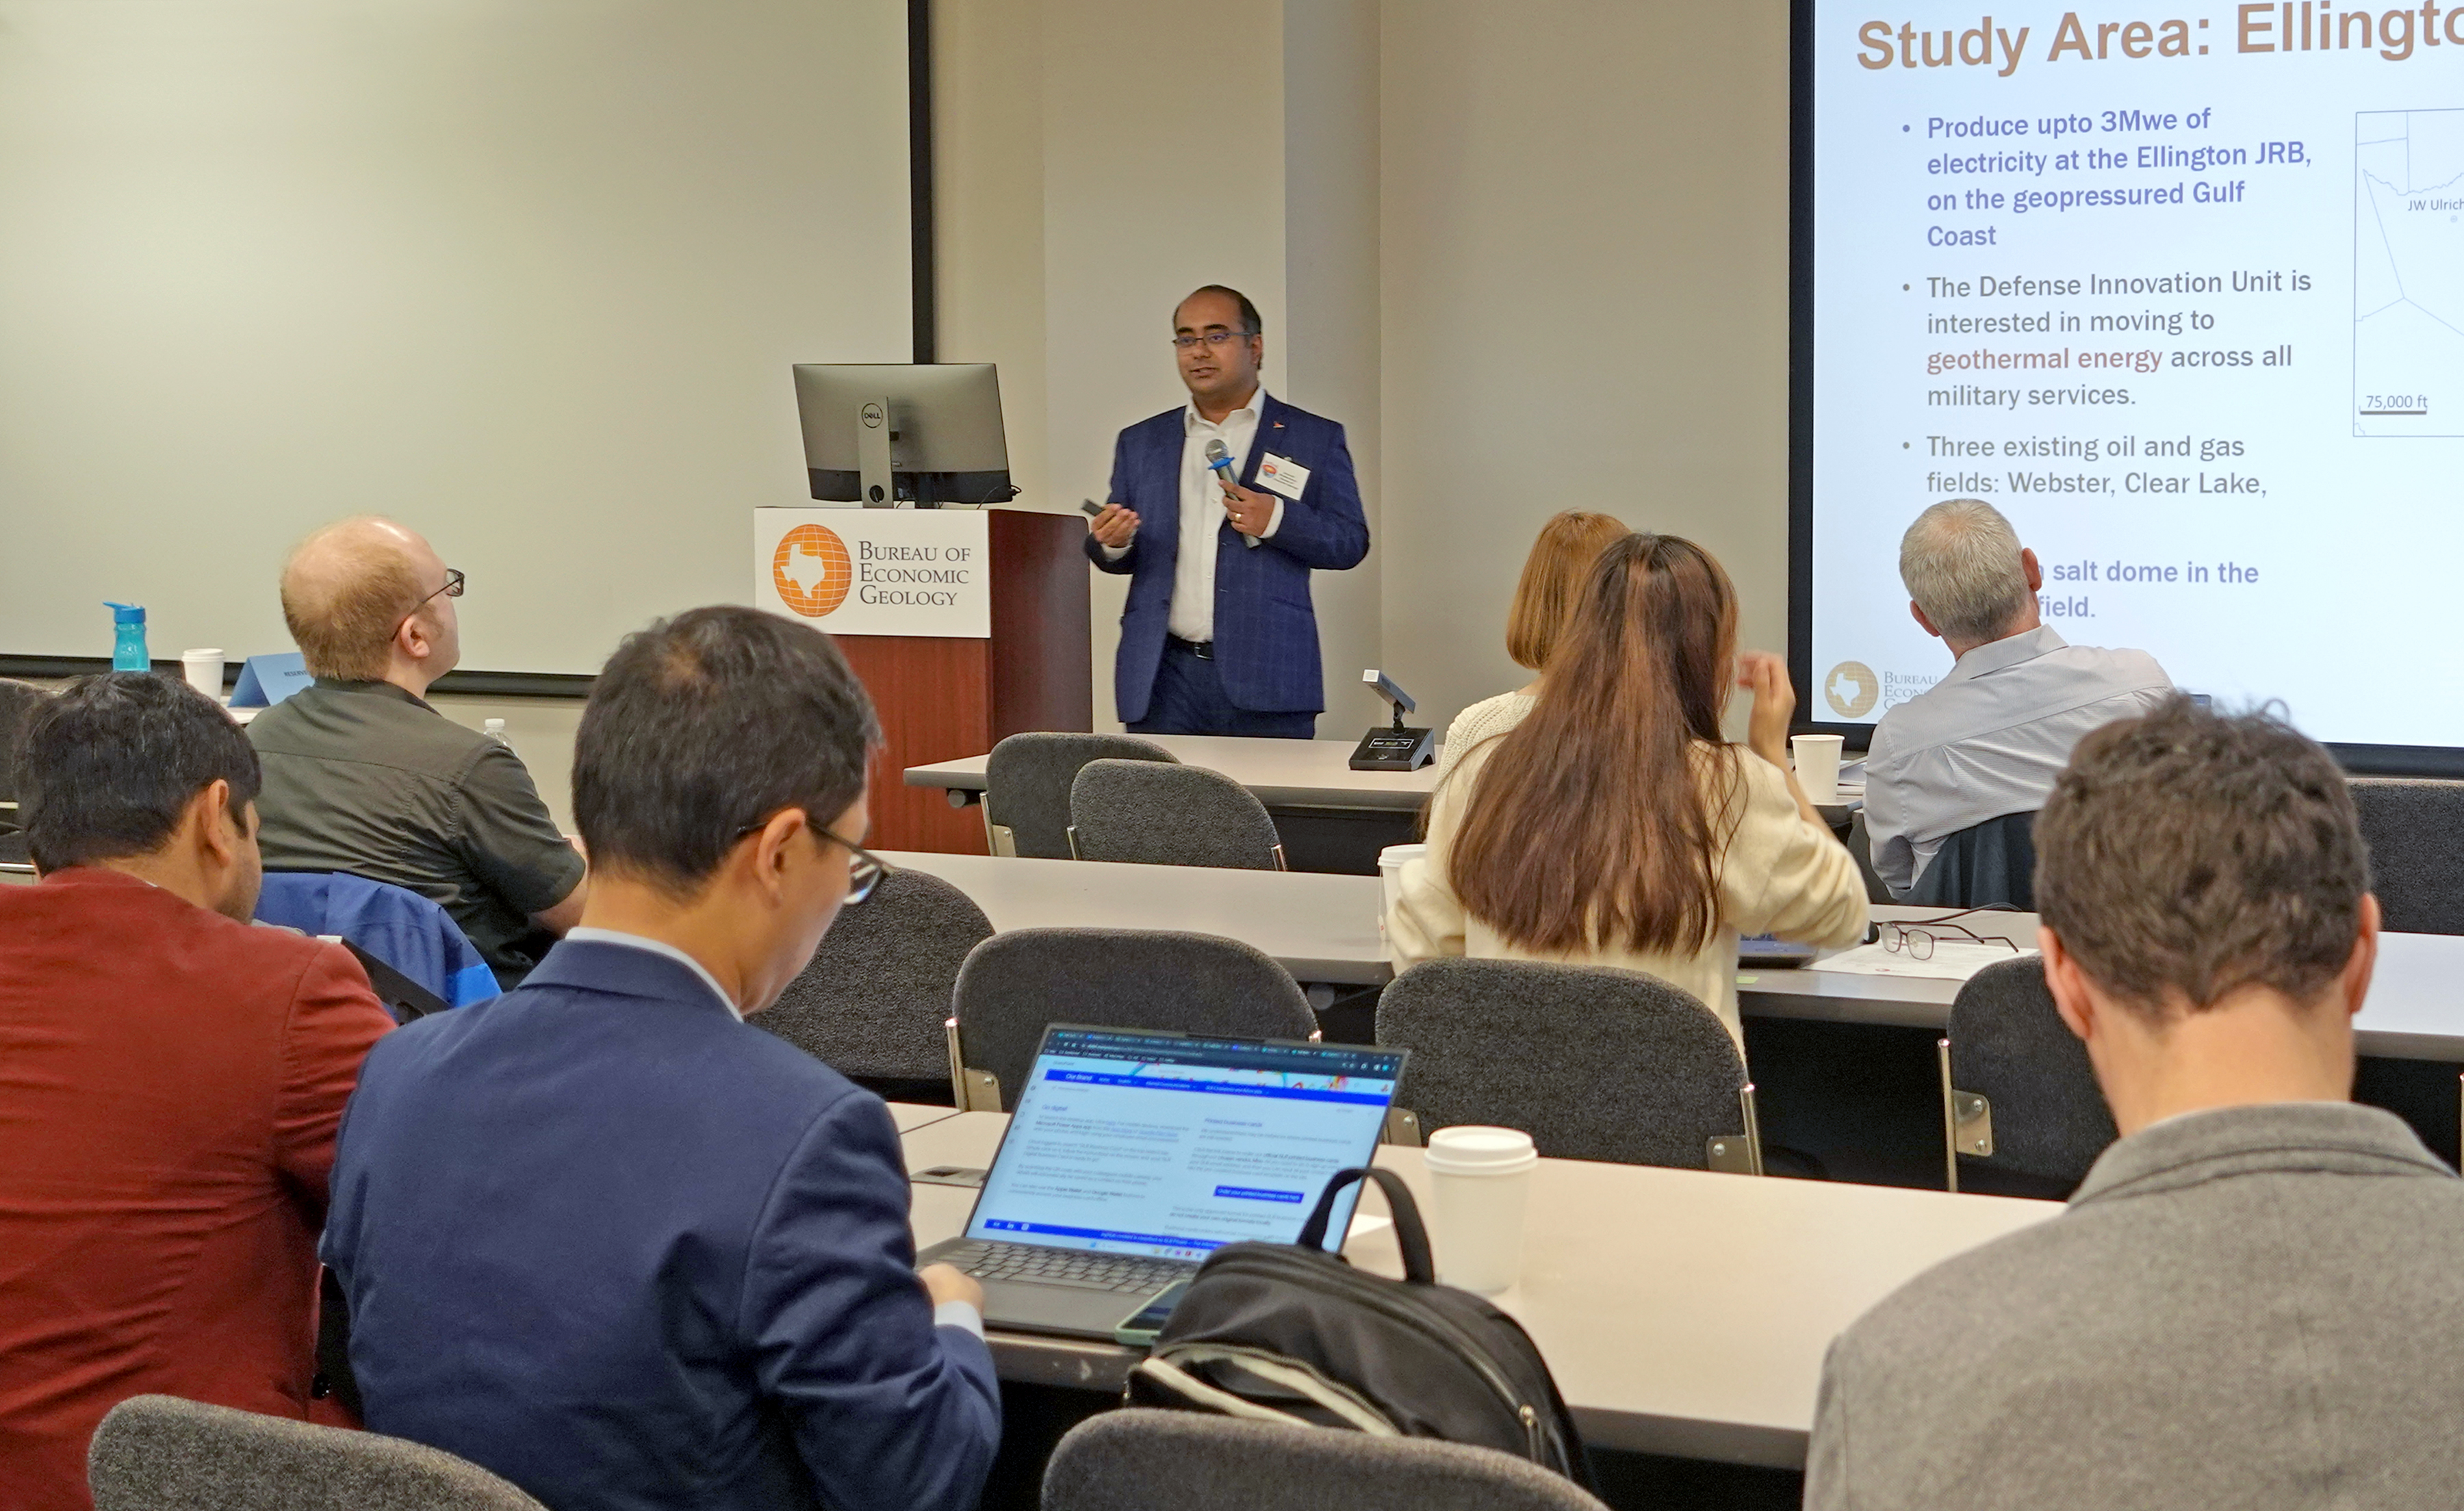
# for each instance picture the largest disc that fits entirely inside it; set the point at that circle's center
(2408, 244)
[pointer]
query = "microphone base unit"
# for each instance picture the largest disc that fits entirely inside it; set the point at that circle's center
(1395, 749)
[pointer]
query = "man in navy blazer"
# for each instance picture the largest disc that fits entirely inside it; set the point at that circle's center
(1218, 637)
(603, 1237)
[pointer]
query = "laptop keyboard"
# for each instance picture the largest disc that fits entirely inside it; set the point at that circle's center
(1071, 1268)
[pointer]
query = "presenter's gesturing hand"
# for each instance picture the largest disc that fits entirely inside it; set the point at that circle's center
(1766, 676)
(1114, 526)
(1251, 512)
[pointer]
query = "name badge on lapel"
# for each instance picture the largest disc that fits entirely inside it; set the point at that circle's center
(1281, 475)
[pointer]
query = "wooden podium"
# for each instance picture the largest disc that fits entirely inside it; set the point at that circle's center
(943, 698)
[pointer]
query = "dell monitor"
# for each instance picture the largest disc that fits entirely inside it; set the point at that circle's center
(888, 434)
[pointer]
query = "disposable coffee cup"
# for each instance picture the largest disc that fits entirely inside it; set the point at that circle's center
(205, 670)
(1817, 766)
(1391, 862)
(1482, 1177)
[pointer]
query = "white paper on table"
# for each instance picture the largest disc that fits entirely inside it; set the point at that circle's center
(1954, 960)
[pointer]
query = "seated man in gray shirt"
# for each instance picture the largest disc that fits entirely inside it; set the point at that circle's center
(363, 777)
(1986, 739)
(2255, 1299)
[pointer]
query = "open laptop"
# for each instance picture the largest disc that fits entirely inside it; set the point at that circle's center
(1131, 1156)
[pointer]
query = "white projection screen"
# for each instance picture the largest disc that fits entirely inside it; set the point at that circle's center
(526, 274)
(2178, 294)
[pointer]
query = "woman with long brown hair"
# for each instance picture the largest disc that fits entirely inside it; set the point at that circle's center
(1552, 576)
(1613, 825)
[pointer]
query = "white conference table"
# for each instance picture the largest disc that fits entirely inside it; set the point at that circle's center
(1325, 929)
(1321, 927)
(1283, 774)
(1681, 1312)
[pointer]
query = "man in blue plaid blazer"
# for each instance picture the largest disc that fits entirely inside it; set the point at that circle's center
(1218, 637)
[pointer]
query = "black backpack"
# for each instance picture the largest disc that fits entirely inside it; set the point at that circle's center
(1290, 1332)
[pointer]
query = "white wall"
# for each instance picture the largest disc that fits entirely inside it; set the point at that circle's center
(529, 277)
(1586, 289)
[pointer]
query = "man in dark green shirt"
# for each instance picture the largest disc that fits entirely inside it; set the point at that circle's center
(361, 776)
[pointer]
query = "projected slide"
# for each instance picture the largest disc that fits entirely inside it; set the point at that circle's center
(2183, 294)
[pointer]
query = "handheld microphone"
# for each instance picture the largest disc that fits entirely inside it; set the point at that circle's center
(1218, 461)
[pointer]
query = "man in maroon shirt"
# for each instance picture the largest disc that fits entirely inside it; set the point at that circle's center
(170, 1083)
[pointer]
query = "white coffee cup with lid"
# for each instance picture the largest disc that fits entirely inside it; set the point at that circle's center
(1482, 1181)
(203, 670)
(1391, 862)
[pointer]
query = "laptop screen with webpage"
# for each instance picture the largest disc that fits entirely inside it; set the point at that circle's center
(1172, 1147)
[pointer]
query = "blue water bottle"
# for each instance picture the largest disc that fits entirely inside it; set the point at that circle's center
(128, 638)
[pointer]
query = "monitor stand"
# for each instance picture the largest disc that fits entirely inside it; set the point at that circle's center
(875, 489)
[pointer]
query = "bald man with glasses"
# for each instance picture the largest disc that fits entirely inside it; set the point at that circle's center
(1220, 510)
(364, 777)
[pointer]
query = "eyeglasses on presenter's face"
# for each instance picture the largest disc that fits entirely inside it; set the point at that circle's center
(1214, 339)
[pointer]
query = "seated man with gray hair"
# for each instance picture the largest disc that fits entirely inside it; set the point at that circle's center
(1988, 739)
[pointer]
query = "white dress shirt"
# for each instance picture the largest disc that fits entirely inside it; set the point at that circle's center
(947, 1314)
(1201, 513)
(1990, 739)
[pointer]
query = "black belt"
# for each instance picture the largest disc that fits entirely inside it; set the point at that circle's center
(1202, 649)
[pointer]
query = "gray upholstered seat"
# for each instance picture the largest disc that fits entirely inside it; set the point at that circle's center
(1987, 865)
(1860, 848)
(1026, 787)
(1592, 1062)
(2415, 832)
(18, 701)
(158, 1452)
(1155, 815)
(873, 1003)
(1017, 983)
(1148, 1461)
(2047, 1117)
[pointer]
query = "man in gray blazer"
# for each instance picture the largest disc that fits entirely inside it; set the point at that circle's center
(2257, 1298)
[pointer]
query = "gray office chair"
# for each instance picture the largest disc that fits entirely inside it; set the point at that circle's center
(1149, 1460)
(1018, 983)
(2415, 832)
(1987, 865)
(875, 1001)
(1026, 787)
(18, 701)
(1592, 1062)
(1860, 849)
(1157, 815)
(2020, 1105)
(158, 1452)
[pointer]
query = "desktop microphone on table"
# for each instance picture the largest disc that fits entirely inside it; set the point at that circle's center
(1218, 461)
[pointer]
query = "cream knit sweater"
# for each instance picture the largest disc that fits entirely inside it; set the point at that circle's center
(1779, 874)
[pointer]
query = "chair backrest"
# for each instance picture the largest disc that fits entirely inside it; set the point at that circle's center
(1027, 786)
(1592, 1062)
(158, 1452)
(1989, 865)
(1138, 1460)
(2415, 832)
(18, 701)
(1017, 984)
(875, 1000)
(2010, 1046)
(1860, 849)
(409, 932)
(1156, 815)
